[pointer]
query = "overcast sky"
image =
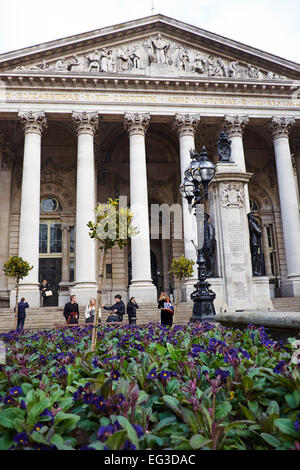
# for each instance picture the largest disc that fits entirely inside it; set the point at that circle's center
(270, 25)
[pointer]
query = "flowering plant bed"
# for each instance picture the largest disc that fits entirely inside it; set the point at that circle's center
(149, 387)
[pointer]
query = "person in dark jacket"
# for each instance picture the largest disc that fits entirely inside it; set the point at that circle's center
(131, 311)
(118, 308)
(71, 311)
(22, 305)
(166, 318)
(44, 286)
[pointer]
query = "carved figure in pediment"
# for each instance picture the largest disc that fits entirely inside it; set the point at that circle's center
(73, 63)
(107, 63)
(253, 72)
(233, 69)
(209, 65)
(160, 49)
(60, 66)
(219, 68)
(184, 59)
(135, 57)
(198, 65)
(93, 60)
(124, 59)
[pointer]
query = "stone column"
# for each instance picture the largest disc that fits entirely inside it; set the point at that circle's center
(186, 125)
(34, 124)
(141, 285)
(165, 259)
(280, 127)
(85, 251)
(6, 158)
(266, 250)
(64, 284)
(296, 148)
(235, 126)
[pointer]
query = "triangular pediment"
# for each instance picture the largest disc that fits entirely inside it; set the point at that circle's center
(156, 46)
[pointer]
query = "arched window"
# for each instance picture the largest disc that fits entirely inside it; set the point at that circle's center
(253, 204)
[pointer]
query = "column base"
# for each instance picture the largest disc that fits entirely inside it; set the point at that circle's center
(143, 291)
(84, 292)
(31, 293)
(64, 292)
(290, 287)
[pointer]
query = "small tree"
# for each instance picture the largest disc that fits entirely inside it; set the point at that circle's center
(182, 268)
(16, 268)
(112, 227)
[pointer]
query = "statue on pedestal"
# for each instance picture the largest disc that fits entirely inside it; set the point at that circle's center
(209, 246)
(224, 147)
(160, 48)
(255, 245)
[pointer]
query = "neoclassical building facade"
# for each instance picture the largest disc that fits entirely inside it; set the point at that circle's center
(114, 112)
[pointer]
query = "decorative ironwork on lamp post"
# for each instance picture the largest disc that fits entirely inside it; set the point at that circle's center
(194, 188)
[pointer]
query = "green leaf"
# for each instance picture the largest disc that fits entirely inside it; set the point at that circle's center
(223, 409)
(273, 409)
(198, 441)
(271, 440)
(172, 386)
(6, 443)
(131, 432)
(6, 422)
(117, 440)
(247, 383)
(286, 426)
(37, 409)
(248, 414)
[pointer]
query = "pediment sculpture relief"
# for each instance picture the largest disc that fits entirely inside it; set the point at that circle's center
(156, 55)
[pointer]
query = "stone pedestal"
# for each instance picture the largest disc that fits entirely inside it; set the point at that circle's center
(228, 214)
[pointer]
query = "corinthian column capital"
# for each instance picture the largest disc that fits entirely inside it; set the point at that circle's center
(186, 124)
(136, 123)
(280, 126)
(235, 124)
(85, 123)
(33, 121)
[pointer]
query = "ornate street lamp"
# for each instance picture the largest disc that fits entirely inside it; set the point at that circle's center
(194, 188)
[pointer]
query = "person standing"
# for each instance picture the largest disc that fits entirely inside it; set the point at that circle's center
(131, 311)
(22, 305)
(166, 318)
(44, 287)
(118, 308)
(90, 311)
(71, 311)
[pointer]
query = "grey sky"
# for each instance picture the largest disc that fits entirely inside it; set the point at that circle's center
(270, 25)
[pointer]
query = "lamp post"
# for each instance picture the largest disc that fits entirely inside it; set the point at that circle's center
(194, 188)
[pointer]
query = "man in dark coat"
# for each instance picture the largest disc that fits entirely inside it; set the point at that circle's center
(22, 305)
(118, 308)
(71, 310)
(131, 311)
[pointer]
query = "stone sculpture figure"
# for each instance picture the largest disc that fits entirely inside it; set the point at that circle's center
(210, 68)
(255, 245)
(106, 61)
(233, 69)
(209, 246)
(219, 68)
(135, 58)
(160, 49)
(184, 59)
(198, 65)
(125, 62)
(93, 59)
(224, 147)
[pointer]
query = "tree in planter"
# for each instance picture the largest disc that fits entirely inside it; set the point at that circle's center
(16, 268)
(182, 268)
(112, 227)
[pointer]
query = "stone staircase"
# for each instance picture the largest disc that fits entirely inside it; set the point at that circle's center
(291, 304)
(48, 317)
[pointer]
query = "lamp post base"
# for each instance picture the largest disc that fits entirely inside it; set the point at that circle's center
(202, 297)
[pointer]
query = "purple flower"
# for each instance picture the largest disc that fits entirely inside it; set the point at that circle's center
(121, 398)
(152, 374)
(223, 374)
(21, 438)
(88, 398)
(100, 403)
(95, 362)
(279, 368)
(115, 375)
(164, 375)
(48, 413)
(23, 405)
(139, 430)
(38, 427)
(15, 391)
(104, 432)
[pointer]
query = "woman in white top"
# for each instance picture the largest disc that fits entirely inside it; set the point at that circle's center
(90, 311)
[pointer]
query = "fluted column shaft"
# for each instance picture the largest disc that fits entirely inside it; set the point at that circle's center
(186, 125)
(141, 284)
(287, 193)
(33, 123)
(85, 270)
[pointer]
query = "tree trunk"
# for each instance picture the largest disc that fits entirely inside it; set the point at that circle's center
(177, 297)
(99, 294)
(17, 301)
